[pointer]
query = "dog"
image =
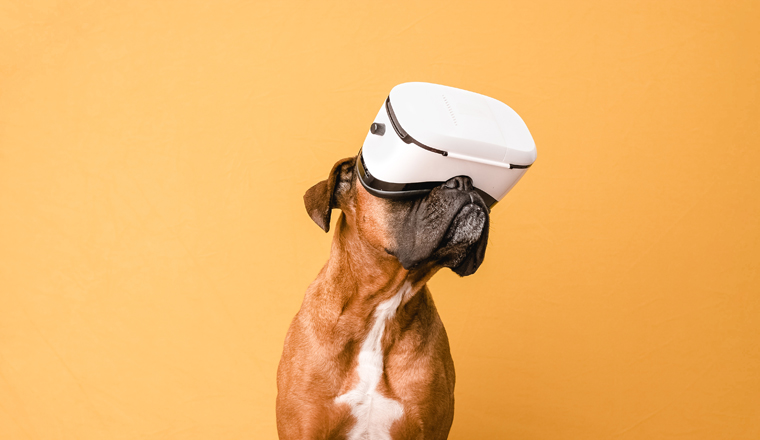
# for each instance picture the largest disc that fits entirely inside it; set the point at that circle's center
(367, 356)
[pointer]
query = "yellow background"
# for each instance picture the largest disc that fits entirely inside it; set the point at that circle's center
(154, 245)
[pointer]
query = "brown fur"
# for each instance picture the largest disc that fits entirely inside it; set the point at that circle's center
(319, 359)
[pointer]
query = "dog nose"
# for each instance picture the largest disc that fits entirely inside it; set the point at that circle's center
(462, 183)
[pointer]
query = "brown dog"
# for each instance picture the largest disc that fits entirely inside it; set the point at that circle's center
(367, 356)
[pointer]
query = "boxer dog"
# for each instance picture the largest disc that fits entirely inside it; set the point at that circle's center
(366, 356)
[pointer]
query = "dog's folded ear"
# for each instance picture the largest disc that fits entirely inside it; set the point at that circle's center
(321, 198)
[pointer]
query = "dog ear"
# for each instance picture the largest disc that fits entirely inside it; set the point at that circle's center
(321, 198)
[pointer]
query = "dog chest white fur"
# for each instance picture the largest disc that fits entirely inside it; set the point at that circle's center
(374, 412)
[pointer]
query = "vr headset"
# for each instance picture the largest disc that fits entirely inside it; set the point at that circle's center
(425, 134)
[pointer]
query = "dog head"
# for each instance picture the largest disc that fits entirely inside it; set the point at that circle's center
(448, 227)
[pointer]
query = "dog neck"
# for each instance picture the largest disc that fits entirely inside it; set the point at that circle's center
(362, 278)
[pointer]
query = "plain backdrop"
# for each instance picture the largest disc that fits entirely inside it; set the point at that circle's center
(154, 244)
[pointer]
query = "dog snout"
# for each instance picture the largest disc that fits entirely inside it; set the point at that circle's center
(462, 183)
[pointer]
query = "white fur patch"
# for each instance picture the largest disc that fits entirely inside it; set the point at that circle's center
(374, 412)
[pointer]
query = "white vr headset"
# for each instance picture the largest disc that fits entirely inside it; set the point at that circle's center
(425, 134)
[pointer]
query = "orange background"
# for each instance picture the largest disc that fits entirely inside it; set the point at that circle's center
(154, 245)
